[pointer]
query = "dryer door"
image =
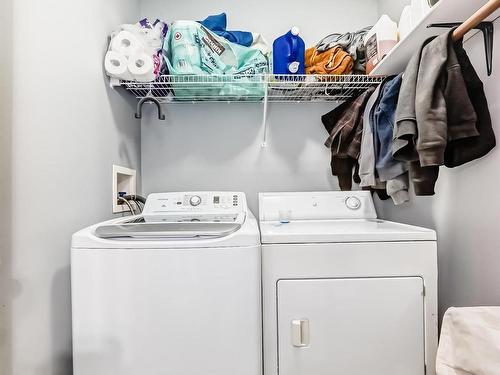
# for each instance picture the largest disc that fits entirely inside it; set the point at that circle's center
(351, 326)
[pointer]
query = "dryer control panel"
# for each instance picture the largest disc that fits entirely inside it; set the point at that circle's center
(325, 205)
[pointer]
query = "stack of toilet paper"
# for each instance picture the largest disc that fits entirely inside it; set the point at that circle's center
(134, 52)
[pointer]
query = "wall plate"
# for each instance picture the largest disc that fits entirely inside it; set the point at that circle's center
(124, 179)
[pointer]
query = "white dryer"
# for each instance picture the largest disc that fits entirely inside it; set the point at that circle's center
(344, 292)
(175, 290)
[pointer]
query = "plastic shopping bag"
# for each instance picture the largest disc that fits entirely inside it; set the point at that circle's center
(191, 49)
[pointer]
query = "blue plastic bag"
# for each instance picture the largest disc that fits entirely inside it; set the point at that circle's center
(218, 24)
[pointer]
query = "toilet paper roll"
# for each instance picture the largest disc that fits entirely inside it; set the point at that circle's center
(116, 65)
(126, 43)
(142, 67)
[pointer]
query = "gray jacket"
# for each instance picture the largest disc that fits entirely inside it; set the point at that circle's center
(405, 133)
(433, 108)
(444, 110)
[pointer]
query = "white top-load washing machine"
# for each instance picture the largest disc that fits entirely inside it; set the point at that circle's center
(343, 292)
(174, 291)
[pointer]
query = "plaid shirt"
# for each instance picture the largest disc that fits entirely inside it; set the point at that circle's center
(345, 125)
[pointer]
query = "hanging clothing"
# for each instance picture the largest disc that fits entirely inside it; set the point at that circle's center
(382, 118)
(367, 172)
(433, 109)
(345, 126)
(464, 150)
(368, 179)
(423, 178)
(332, 61)
(383, 122)
(433, 105)
(405, 129)
(397, 189)
(442, 105)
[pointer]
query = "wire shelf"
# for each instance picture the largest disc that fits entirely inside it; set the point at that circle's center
(252, 88)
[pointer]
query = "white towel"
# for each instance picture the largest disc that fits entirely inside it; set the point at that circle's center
(470, 342)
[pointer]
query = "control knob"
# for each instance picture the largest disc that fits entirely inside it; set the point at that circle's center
(195, 200)
(353, 203)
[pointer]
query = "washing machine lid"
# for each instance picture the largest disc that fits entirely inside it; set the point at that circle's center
(177, 220)
(334, 216)
(186, 227)
(182, 215)
(335, 231)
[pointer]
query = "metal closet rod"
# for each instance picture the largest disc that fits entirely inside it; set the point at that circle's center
(474, 20)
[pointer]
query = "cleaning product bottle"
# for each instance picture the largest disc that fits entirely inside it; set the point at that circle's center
(289, 53)
(379, 41)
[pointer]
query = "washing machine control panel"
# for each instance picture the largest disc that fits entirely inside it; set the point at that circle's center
(196, 202)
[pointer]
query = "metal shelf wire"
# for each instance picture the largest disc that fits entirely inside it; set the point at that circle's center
(252, 88)
(262, 88)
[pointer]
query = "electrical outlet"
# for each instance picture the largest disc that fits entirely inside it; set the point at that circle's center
(124, 180)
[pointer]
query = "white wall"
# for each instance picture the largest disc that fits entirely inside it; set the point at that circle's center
(316, 18)
(392, 8)
(68, 128)
(217, 146)
(5, 180)
(466, 210)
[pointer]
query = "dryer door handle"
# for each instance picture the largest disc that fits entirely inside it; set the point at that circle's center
(300, 332)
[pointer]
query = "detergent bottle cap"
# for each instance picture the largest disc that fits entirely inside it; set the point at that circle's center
(295, 31)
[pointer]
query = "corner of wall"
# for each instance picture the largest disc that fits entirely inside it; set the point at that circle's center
(6, 44)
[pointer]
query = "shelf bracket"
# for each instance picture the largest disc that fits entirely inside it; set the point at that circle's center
(150, 99)
(265, 103)
(487, 30)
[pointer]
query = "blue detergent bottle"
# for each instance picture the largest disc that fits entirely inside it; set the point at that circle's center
(289, 53)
